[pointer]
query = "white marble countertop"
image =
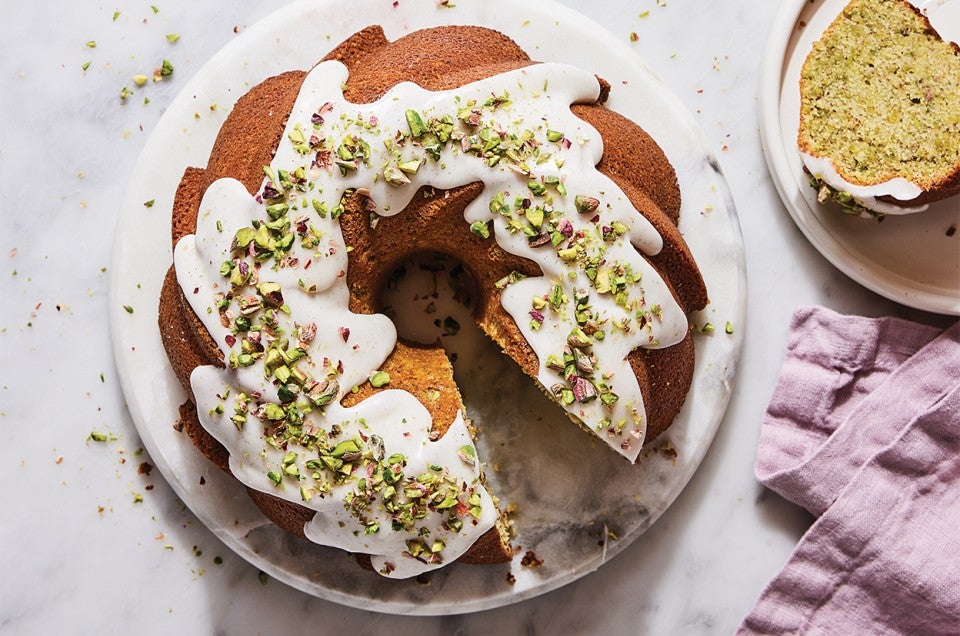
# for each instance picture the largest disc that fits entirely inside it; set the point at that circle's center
(88, 544)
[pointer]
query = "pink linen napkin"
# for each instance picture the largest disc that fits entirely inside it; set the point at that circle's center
(863, 430)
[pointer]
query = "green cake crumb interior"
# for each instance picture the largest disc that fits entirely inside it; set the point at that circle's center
(880, 97)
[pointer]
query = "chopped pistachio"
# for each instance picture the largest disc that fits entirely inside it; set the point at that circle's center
(86, 65)
(410, 166)
(128, 309)
(140, 80)
(609, 398)
(379, 379)
(729, 327)
(537, 188)
(467, 454)
(415, 122)
(165, 69)
(554, 135)
(92, 44)
(480, 229)
(535, 216)
(173, 37)
(585, 204)
(395, 176)
(149, 204)
(97, 437)
(578, 339)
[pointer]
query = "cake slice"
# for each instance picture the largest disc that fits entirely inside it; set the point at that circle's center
(880, 110)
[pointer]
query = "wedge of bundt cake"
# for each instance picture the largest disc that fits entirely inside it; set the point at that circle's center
(880, 110)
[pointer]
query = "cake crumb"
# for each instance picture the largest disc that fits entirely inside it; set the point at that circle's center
(530, 560)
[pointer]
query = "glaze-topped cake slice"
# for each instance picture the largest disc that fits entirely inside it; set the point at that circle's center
(880, 110)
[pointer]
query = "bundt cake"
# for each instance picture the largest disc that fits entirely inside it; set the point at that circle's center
(449, 140)
(880, 110)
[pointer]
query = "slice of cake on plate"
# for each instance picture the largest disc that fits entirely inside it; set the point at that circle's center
(880, 111)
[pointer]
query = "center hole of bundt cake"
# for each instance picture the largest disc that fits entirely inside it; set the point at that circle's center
(434, 301)
(430, 297)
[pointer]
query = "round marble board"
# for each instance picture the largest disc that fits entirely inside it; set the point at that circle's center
(911, 259)
(577, 503)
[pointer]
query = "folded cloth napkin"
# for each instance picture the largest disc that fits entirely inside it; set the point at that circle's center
(863, 430)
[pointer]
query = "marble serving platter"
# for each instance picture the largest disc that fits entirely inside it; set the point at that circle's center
(577, 505)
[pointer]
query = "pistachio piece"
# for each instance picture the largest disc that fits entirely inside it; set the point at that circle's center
(535, 216)
(578, 339)
(538, 240)
(467, 454)
(480, 229)
(583, 390)
(346, 446)
(324, 392)
(609, 398)
(415, 122)
(410, 166)
(270, 293)
(394, 176)
(274, 412)
(537, 188)
(379, 379)
(585, 204)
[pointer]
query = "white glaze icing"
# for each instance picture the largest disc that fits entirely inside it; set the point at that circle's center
(318, 294)
(401, 421)
(898, 188)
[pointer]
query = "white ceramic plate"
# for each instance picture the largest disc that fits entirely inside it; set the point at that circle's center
(568, 514)
(911, 259)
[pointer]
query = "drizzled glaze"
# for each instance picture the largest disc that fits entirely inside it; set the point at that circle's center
(532, 100)
(867, 195)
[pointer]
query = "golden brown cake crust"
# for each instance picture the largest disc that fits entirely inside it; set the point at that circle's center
(436, 59)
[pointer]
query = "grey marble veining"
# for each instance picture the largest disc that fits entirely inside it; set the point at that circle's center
(80, 552)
